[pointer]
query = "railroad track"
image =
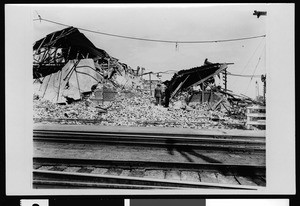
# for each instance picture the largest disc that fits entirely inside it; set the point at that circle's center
(52, 170)
(88, 173)
(229, 141)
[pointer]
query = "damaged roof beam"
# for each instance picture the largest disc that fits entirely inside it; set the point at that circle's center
(59, 37)
(224, 66)
(179, 86)
(37, 51)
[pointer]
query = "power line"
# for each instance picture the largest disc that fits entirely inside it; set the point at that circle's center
(241, 75)
(154, 40)
(256, 67)
(252, 56)
(254, 52)
(254, 70)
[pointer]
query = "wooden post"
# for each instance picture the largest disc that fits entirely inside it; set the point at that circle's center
(60, 72)
(263, 79)
(265, 92)
(225, 79)
(200, 100)
(209, 97)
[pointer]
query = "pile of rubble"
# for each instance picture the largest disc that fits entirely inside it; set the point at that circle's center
(136, 109)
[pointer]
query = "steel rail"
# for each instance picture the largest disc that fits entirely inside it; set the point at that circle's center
(219, 141)
(146, 135)
(162, 140)
(43, 184)
(148, 131)
(92, 180)
(234, 169)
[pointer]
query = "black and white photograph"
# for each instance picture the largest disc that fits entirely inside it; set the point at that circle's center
(150, 98)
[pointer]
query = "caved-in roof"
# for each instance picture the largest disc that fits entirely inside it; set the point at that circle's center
(71, 37)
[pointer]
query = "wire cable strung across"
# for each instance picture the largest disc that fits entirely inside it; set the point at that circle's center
(241, 75)
(244, 69)
(155, 40)
(255, 69)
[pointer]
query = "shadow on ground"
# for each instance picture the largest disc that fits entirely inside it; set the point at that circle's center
(187, 152)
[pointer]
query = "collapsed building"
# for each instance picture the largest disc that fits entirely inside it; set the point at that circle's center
(198, 85)
(66, 64)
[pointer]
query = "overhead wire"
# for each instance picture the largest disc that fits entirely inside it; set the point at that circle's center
(240, 75)
(153, 40)
(251, 56)
(170, 41)
(255, 69)
(254, 52)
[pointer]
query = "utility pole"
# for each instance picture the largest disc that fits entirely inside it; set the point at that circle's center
(225, 78)
(263, 79)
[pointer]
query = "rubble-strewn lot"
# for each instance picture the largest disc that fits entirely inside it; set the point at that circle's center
(133, 110)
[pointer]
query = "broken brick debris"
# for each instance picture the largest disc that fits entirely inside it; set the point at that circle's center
(134, 110)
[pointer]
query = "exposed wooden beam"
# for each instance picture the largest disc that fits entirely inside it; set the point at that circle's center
(223, 66)
(179, 86)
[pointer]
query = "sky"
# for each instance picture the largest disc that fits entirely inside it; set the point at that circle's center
(176, 22)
